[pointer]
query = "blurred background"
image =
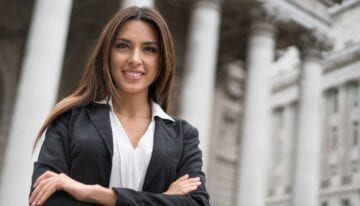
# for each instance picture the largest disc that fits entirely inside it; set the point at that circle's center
(272, 86)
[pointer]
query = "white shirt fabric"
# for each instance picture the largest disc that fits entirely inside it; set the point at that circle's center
(129, 165)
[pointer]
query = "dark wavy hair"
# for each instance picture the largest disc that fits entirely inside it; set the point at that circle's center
(97, 82)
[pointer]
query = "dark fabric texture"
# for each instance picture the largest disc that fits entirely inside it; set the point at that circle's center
(79, 144)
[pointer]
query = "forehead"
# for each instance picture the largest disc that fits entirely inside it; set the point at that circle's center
(138, 29)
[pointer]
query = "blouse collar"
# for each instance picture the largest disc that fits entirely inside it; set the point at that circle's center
(156, 109)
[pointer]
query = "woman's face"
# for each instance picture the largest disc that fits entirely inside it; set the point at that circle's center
(135, 57)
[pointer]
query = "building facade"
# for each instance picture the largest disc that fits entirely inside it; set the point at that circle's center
(273, 87)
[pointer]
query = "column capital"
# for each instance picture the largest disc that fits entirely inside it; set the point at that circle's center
(264, 18)
(313, 43)
(268, 12)
(262, 28)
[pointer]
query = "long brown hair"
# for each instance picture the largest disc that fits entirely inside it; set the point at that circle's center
(97, 83)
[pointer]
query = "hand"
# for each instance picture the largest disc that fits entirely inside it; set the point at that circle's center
(183, 185)
(50, 182)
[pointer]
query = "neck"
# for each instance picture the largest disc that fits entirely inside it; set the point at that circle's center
(132, 106)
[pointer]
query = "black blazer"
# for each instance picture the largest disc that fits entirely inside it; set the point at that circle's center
(79, 143)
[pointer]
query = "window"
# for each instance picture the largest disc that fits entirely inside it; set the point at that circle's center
(355, 95)
(333, 101)
(334, 138)
(354, 165)
(345, 202)
(279, 151)
(333, 170)
(279, 115)
(355, 133)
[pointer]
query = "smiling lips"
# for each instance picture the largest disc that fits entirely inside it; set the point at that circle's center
(133, 75)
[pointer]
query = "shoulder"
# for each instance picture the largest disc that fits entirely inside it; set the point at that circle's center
(80, 112)
(184, 124)
(179, 126)
(90, 107)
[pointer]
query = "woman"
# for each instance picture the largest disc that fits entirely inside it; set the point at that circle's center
(111, 141)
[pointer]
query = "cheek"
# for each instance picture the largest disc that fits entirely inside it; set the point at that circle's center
(117, 59)
(153, 66)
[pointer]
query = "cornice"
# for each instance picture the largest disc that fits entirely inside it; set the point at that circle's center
(338, 191)
(294, 5)
(345, 6)
(330, 3)
(290, 11)
(288, 79)
(341, 57)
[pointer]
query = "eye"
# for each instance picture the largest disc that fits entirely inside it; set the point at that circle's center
(122, 45)
(149, 49)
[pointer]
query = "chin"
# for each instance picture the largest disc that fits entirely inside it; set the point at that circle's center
(133, 90)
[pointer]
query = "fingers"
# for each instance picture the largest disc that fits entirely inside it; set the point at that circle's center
(185, 180)
(44, 186)
(185, 177)
(194, 179)
(184, 185)
(38, 189)
(46, 175)
(190, 185)
(188, 189)
(45, 192)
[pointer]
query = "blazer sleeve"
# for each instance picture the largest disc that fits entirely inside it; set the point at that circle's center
(55, 156)
(190, 163)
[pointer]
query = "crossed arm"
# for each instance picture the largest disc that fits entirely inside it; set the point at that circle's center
(50, 182)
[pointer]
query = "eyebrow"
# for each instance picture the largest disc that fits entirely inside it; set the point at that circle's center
(146, 43)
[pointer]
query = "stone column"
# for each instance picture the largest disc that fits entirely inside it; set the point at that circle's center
(307, 160)
(289, 125)
(140, 3)
(343, 140)
(253, 164)
(200, 64)
(36, 95)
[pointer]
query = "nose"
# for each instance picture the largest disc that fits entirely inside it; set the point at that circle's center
(135, 58)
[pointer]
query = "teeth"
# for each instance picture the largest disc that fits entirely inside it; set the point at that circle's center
(133, 74)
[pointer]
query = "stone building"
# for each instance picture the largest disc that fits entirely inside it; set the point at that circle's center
(272, 86)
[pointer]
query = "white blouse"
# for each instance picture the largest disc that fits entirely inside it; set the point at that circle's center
(129, 164)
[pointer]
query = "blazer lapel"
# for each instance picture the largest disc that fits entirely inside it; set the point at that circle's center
(163, 143)
(99, 115)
